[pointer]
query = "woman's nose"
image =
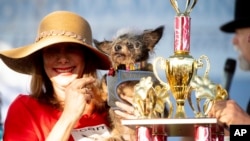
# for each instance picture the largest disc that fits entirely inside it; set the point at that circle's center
(63, 60)
(62, 57)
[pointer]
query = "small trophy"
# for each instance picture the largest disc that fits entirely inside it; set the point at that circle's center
(149, 102)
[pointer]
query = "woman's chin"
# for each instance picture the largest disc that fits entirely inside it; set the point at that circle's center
(64, 81)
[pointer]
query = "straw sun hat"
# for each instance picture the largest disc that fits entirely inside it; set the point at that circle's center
(57, 27)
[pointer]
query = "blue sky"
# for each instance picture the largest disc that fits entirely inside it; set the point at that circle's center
(19, 21)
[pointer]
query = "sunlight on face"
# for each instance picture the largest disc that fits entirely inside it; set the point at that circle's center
(63, 63)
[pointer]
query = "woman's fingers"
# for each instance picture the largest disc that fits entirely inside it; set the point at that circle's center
(127, 98)
(85, 82)
(127, 110)
(124, 115)
(87, 92)
(79, 94)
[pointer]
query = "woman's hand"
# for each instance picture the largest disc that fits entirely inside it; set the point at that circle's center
(78, 95)
(229, 112)
(127, 110)
(77, 100)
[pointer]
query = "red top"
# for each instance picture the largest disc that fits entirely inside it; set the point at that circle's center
(29, 120)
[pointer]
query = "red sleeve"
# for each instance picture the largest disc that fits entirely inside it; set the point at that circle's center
(18, 124)
(29, 120)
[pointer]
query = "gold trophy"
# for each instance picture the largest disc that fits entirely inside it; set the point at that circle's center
(180, 68)
(181, 73)
(182, 78)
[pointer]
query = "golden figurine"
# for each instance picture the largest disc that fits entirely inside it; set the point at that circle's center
(149, 101)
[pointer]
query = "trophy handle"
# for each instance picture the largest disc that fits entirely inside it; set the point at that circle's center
(190, 101)
(207, 105)
(200, 64)
(171, 109)
(175, 6)
(188, 8)
(162, 66)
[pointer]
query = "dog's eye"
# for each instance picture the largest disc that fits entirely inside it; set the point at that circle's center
(118, 47)
(130, 45)
(137, 45)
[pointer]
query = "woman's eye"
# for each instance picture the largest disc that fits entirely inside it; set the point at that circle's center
(73, 49)
(50, 51)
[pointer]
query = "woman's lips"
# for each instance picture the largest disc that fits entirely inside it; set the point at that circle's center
(64, 70)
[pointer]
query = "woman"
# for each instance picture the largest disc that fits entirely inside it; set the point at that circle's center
(62, 104)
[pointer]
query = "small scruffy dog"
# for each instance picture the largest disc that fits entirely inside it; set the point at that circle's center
(128, 51)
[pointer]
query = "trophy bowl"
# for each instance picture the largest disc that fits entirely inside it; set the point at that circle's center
(179, 71)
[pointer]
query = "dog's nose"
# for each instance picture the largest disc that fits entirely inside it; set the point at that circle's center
(118, 47)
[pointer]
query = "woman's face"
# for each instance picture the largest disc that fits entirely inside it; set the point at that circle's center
(63, 63)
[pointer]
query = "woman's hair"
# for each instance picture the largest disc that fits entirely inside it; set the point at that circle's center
(41, 86)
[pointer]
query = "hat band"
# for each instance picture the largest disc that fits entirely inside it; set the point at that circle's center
(59, 33)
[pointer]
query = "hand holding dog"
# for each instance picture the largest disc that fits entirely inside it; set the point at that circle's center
(127, 110)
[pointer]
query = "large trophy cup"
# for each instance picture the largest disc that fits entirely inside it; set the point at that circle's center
(181, 68)
(182, 80)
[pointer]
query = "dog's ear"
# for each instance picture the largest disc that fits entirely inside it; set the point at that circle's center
(152, 37)
(104, 46)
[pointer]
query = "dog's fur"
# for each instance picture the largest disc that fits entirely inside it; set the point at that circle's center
(98, 102)
(126, 49)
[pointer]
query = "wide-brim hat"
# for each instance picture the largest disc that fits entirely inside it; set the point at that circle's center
(57, 27)
(241, 17)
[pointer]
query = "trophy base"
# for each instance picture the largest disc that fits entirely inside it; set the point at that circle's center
(174, 127)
